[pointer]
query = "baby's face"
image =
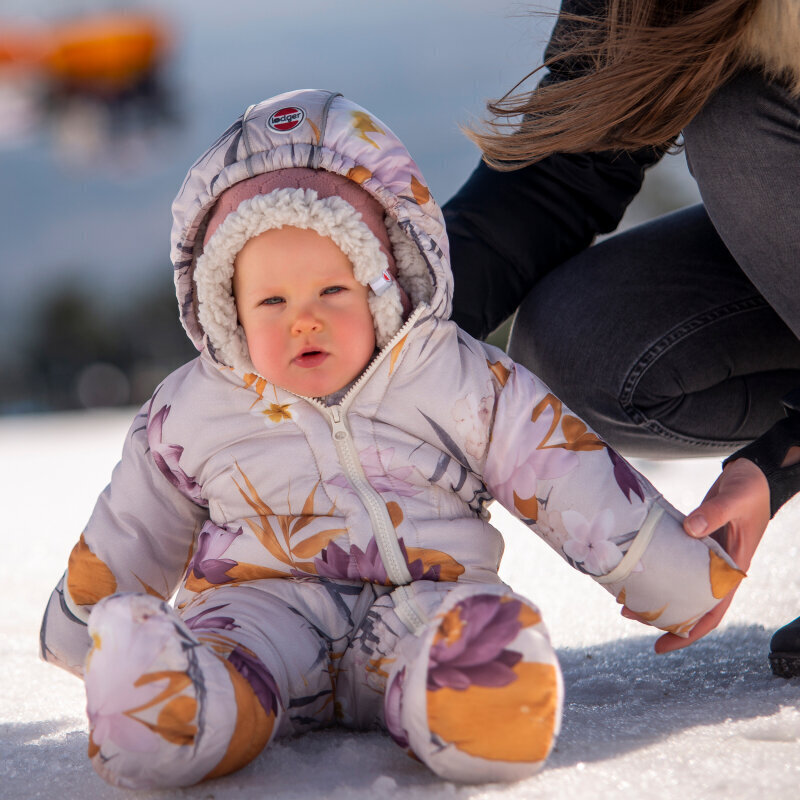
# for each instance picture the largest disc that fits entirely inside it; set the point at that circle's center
(306, 318)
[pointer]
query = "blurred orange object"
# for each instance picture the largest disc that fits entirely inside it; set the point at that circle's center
(21, 47)
(104, 52)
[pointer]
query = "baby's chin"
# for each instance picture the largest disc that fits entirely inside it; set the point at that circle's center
(312, 385)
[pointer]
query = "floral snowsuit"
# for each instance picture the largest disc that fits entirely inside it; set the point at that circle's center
(336, 563)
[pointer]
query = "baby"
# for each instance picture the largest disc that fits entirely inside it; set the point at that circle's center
(315, 486)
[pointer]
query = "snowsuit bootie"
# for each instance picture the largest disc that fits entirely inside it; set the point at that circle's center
(150, 683)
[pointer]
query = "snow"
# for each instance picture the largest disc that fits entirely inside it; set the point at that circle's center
(706, 722)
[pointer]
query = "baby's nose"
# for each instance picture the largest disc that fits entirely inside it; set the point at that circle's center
(306, 321)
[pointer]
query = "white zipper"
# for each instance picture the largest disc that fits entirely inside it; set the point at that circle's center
(385, 535)
(408, 610)
(382, 527)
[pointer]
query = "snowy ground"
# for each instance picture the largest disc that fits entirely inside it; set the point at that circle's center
(708, 722)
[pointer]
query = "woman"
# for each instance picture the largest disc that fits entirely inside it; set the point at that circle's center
(681, 336)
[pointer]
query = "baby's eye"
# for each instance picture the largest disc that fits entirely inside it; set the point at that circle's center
(333, 290)
(271, 301)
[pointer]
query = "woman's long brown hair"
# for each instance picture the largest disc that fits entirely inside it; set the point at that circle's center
(647, 67)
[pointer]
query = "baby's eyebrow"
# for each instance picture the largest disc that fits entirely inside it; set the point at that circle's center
(340, 276)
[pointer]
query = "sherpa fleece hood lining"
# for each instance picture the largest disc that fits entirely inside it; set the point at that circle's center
(330, 216)
(353, 144)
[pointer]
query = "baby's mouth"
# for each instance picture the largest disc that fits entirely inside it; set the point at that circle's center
(310, 358)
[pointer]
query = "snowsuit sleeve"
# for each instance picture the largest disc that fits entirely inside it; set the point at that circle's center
(507, 230)
(604, 518)
(139, 539)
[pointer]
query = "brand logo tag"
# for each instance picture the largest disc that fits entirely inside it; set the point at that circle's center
(286, 119)
(381, 283)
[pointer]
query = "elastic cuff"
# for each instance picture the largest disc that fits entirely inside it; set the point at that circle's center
(768, 451)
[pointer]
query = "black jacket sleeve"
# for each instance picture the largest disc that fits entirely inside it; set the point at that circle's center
(508, 229)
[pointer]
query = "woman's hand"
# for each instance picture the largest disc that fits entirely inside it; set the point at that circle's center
(735, 512)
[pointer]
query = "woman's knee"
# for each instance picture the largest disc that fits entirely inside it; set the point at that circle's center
(659, 341)
(744, 151)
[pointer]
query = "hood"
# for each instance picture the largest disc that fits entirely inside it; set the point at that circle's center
(319, 130)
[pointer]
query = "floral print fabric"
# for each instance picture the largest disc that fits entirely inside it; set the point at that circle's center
(235, 493)
(469, 647)
(589, 504)
(175, 699)
(488, 684)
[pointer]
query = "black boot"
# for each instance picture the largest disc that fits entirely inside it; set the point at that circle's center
(784, 655)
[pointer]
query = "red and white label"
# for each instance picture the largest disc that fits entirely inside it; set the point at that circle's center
(286, 119)
(381, 283)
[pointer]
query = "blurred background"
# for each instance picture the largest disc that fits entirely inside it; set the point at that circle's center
(104, 106)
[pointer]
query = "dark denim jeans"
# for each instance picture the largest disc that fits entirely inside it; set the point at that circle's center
(680, 336)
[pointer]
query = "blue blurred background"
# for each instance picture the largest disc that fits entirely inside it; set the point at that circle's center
(96, 136)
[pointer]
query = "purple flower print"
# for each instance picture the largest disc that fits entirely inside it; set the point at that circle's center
(469, 647)
(243, 661)
(382, 479)
(211, 544)
(335, 562)
(357, 565)
(392, 709)
(625, 476)
(258, 676)
(202, 621)
(168, 456)
(417, 567)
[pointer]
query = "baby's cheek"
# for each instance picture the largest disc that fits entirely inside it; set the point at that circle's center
(265, 351)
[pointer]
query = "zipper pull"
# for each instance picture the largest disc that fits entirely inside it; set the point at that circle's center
(340, 432)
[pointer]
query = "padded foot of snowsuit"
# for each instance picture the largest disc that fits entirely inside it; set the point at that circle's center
(474, 691)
